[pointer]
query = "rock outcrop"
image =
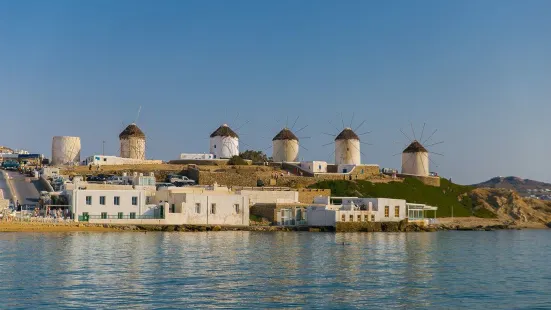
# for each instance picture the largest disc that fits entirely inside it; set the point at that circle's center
(509, 205)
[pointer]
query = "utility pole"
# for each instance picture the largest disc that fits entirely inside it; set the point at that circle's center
(103, 148)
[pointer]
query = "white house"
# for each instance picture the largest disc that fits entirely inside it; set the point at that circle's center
(345, 168)
(314, 166)
(331, 214)
(89, 204)
(383, 209)
(188, 156)
(212, 205)
(100, 160)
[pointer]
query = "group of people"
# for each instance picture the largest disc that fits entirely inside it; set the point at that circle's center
(276, 175)
(58, 213)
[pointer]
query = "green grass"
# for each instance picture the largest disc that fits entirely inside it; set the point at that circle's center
(412, 190)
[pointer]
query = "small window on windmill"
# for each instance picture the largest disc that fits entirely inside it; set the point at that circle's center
(215, 146)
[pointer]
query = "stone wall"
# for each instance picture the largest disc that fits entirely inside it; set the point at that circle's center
(306, 195)
(371, 226)
(270, 176)
(428, 180)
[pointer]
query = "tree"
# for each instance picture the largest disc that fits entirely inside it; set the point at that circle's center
(237, 161)
(255, 156)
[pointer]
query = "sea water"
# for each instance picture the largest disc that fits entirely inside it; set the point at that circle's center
(441, 270)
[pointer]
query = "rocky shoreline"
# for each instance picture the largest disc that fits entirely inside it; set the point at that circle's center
(403, 226)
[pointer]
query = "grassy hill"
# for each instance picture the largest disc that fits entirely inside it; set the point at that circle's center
(445, 197)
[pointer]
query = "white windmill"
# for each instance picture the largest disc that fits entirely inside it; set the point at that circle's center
(415, 157)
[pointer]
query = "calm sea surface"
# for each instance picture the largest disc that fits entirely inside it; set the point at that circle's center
(443, 270)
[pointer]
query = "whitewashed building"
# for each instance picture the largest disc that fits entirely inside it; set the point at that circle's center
(314, 166)
(329, 214)
(354, 209)
(94, 204)
(210, 205)
(190, 156)
(382, 209)
(100, 160)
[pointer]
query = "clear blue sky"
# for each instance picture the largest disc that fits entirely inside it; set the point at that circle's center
(478, 71)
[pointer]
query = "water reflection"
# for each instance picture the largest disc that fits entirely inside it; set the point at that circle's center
(259, 270)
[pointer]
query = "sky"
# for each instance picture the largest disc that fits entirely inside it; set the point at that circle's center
(478, 72)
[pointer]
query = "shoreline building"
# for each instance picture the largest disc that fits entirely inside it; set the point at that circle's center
(132, 140)
(224, 143)
(285, 146)
(347, 148)
(415, 160)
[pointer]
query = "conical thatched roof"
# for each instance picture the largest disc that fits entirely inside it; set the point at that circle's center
(415, 147)
(285, 134)
(347, 134)
(224, 131)
(132, 131)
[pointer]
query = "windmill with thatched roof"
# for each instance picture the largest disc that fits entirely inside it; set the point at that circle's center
(415, 157)
(132, 141)
(224, 142)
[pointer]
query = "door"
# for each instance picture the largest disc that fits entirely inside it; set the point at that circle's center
(85, 216)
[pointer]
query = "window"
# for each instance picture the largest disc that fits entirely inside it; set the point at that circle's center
(132, 215)
(102, 200)
(103, 215)
(134, 201)
(397, 211)
(236, 208)
(387, 211)
(213, 208)
(366, 218)
(343, 218)
(197, 208)
(373, 217)
(172, 208)
(362, 171)
(351, 217)
(105, 159)
(215, 146)
(119, 215)
(89, 200)
(359, 218)
(117, 200)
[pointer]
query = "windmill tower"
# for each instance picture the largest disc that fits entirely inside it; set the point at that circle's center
(285, 146)
(224, 142)
(65, 150)
(415, 157)
(132, 140)
(347, 148)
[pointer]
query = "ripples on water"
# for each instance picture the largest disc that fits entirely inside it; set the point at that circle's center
(444, 270)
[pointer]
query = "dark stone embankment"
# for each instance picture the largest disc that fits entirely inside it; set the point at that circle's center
(402, 226)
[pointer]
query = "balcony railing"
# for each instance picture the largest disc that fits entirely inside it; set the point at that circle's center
(122, 217)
